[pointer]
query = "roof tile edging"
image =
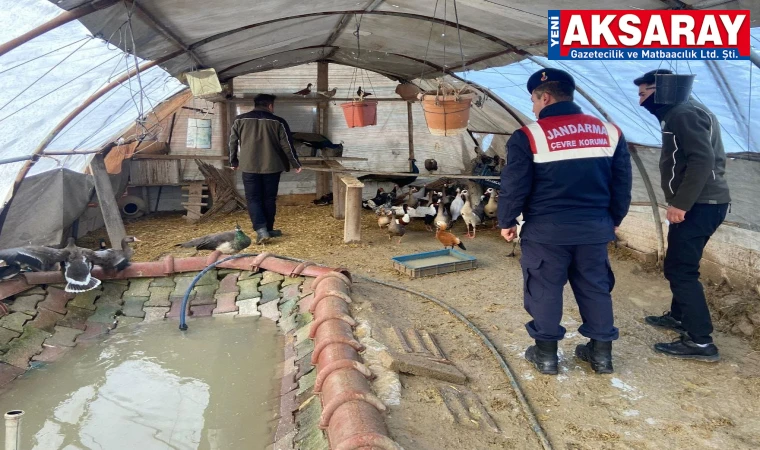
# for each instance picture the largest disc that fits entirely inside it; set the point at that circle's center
(333, 335)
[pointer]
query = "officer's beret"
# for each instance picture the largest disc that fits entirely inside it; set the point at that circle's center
(546, 75)
(649, 77)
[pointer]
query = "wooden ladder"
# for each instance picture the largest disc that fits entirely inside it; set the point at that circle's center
(196, 200)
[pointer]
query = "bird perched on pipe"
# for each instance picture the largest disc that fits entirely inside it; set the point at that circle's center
(329, 94)
(228, 242)
(362, 93)
(304, 92)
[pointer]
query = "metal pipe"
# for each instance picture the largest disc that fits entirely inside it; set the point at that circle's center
(754, 57)
(56, 22)
(13, 429)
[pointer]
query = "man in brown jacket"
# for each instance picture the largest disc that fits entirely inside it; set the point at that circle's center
(261, 145)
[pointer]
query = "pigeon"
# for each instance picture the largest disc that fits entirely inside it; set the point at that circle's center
(362, 93)
(304, 92)
(329, 94)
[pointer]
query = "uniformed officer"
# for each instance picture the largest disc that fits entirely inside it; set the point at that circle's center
(569, 175)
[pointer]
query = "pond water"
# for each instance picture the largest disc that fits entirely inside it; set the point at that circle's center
(150, 386)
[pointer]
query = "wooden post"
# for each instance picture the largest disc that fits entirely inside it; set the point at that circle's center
(352, 227)
(107, 201)
(226, 126)
(339, 190)
(323, 183)
(323, 178)
(323, 84)
(410, 132)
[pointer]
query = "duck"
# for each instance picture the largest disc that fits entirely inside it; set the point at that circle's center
(380, 199)
(228, 242)
(383, 217)
(76, 269)
(448, 239)
(36, 258)
(8, 271)
(442, 217)
(470, 217)
(430, 213)
(396, 228)
(492, 206)
(112, 259)
(406, 217)
(456, 206)
(516, 240)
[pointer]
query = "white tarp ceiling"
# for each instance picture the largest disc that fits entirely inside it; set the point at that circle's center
(610, 83)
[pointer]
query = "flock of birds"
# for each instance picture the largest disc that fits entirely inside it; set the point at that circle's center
(76, 263)
(439, 209)
(305, 92)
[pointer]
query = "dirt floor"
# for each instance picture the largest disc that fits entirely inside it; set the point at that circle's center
(650, 402)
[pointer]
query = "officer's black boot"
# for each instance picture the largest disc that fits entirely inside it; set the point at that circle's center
(543, 355)
(598, 353)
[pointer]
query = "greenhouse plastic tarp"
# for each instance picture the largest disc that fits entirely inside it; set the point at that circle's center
(48, 77)
(610, 83)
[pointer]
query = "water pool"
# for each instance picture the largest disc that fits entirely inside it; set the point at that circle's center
(150, 386)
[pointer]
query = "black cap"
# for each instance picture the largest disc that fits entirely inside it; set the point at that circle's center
(546, 75)
(649, 77)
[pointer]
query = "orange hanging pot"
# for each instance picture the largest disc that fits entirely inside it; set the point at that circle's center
(446, 115)
(360, 114)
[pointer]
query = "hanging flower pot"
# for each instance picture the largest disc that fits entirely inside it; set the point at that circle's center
(360, 113)
(447, 111)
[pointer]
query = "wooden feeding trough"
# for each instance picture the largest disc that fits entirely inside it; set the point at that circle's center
(437, 262)
(447, 110)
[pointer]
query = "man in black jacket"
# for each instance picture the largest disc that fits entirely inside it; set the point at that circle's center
(692, 169)
(261, 145)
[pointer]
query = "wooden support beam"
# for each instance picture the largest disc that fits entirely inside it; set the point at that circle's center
(352, 226)
(57, 21)
(410, 131)
(171, 157)
(323, 184)
(316, 98)
(403, 174)
(323, 84)
(107, 201)
(338, 188)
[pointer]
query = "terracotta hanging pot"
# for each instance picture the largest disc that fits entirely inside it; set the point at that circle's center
(447, 115)
(360, 113)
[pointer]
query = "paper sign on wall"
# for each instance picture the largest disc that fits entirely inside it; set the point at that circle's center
(198, 133)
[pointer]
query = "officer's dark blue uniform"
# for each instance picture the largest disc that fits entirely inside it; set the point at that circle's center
(569, 175)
